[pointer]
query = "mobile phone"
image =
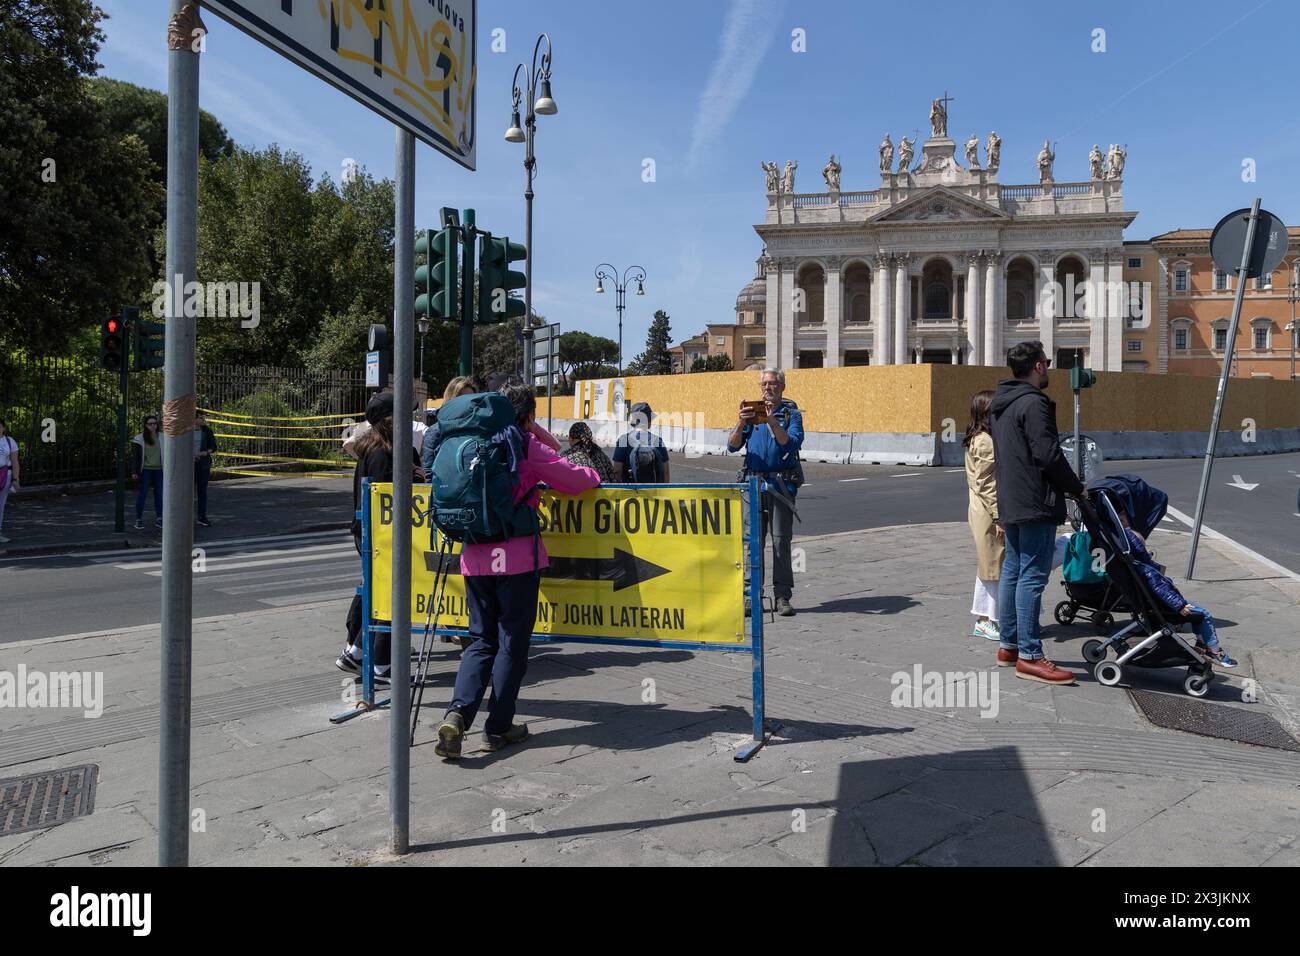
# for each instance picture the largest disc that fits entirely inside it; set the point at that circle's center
(760, 412)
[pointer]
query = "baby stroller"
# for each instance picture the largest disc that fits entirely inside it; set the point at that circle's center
(1088, 587)
(1150, 639)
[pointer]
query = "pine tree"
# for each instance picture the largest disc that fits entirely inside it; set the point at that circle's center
(655, 360)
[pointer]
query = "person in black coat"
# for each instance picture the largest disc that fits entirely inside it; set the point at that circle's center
(205, 443)
(374, 461)
(1033, 480)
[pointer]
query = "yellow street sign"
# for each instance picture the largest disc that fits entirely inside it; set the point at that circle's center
(661, 564)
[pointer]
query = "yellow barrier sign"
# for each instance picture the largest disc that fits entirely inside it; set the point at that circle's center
(660, 564)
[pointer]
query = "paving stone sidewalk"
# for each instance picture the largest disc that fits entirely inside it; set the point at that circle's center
(1060, 776)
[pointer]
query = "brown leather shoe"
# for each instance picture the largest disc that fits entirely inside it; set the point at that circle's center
(1007, 658)
(1043, 670)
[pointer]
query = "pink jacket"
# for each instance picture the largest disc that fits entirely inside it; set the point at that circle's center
(515, 555)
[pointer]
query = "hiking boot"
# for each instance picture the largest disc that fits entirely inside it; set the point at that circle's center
(784, 608)
(1007, 658)
(1043, 670)
(517, 733)
(450, 734)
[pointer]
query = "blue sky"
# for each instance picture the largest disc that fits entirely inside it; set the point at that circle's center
(709, 88)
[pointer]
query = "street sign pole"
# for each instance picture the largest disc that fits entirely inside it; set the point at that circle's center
(184, 40)
(399, 741)
(1210, 446)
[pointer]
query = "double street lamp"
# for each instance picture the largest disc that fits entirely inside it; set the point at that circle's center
(620, 295)
(537, 91)
(1294, 326)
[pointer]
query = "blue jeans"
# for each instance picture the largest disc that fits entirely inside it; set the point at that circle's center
(502, 612)
(1025, 568)
(1205, 630)
(149, 477)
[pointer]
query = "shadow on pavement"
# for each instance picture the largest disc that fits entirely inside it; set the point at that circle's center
(881, 604)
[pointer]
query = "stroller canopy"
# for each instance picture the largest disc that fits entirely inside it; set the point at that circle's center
(1145, 505)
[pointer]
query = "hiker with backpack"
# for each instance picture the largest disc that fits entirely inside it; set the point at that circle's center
(772, 454)
(488, 467)
(640, 456)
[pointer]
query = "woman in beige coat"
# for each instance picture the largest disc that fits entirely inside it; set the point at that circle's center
(982, 514)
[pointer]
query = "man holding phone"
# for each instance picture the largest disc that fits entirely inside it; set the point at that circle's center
(772, 441)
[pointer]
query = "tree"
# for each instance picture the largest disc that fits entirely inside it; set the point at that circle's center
(656, 359)
(583, 355)
(721, 362)
(79, 202)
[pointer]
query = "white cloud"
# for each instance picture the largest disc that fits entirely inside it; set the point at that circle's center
(748, 31)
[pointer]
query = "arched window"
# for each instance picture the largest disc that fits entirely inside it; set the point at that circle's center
(857, 293)
(936, 286)
(812, 284)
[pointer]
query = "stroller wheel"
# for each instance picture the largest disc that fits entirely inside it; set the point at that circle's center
(1065, 612)
(1108, 673)
(1196, 685)
(1103, 622)
(1094, 651)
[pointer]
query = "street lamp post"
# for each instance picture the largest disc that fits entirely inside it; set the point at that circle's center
(538, 93)
(620, 295)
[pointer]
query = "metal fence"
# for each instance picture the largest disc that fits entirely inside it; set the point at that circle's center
(63, 411)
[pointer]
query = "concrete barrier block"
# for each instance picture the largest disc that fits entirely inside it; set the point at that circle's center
(832, 447)
(894, 448)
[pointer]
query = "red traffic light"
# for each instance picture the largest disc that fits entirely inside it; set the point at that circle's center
(111, 326)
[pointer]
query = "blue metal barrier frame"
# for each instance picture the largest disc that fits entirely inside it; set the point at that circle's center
(762, 728)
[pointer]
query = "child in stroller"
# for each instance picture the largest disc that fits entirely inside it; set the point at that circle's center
(1171, 598)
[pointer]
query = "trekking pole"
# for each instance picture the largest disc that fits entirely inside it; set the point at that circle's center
(426, 652)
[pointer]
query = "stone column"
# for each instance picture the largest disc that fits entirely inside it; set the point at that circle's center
(994, 317)
(974, 315)
(772, 308)
(1160, 294)
(832, 306)
(954, 355)
(902, 308)
(1045, 311)
(1097, 312)
(1115, 289)
(785, 359)
(881, 314)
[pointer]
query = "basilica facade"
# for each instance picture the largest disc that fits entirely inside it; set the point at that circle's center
(943, 263)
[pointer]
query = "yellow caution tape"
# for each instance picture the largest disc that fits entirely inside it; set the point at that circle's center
(282, 418)
(284, 474)
(281, 458)
(327, 438)
(213, 420)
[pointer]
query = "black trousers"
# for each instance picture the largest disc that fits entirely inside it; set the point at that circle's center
(778, 519)
(502, 612)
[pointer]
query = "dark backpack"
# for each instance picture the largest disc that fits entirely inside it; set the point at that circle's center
(643, 464)
(476, 471)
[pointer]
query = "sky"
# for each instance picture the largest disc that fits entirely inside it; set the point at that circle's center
(708, 89)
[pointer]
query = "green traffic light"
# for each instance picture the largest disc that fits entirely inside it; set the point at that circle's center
(435, 281)
(497, 280)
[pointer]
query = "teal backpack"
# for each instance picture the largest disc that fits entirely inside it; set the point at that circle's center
(1077, 566)
(476, 460)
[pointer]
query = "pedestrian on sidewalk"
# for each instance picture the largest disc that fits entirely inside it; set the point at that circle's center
(146, 468)
(205, 443)
(640, 456)
(9, 473)
(354, 436)
(374, 461)
(1033, 480)
(772, 454)
(502, 580)
(982, 515)
(584, 451)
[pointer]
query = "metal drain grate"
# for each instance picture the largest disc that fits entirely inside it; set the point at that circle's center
(47, 799)
(1213, 720)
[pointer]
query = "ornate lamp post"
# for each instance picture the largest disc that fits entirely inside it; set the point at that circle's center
(1294, 327)
(620, 295)
(422, 324)
(538, 92)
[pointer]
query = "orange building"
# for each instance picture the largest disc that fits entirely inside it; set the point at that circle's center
(1195, 310)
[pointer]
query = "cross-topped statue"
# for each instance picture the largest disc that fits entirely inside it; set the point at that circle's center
(939, 116)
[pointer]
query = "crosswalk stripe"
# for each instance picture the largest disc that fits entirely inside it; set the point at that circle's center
(339, 546)
(260, 564)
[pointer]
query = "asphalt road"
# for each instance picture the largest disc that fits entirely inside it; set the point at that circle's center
(45, 596)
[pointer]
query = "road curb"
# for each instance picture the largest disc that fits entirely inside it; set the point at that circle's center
(127, 543)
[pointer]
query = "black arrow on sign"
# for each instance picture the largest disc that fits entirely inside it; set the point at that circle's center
(624, 569)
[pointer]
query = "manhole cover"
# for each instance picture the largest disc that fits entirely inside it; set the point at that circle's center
(47, 799)
(1213, 720)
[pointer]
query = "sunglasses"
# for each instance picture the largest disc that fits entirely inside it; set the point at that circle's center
(153, 423)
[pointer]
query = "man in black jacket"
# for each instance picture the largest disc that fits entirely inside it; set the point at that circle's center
(1033, 478)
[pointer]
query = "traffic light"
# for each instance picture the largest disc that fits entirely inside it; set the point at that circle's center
(112, 344)
(497, 280)
(148, 348)
(435, 281)
(1082, 378)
